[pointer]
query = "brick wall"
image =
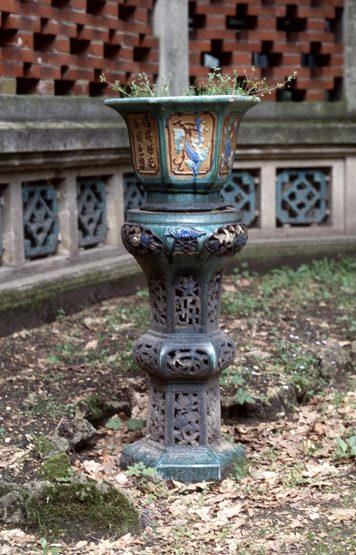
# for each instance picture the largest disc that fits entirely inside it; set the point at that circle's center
(62, 46)
(277, 37)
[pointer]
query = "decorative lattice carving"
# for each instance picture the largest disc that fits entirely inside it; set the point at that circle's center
(155, 426)
(158, 298)
(186, 419)
(240, 192)
(40, 219)
(140, 241)
(187, 302)
(91, 199)
(214, 292)
(227, 240)
(225, 351)
(302, 197)
(146, 356)
(134, 193)
(187, 362)
(213, 415)
(185, 240)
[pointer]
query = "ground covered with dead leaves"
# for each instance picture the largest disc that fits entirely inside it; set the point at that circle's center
(290, 400)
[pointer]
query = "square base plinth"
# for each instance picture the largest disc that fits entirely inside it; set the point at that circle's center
(185, 464)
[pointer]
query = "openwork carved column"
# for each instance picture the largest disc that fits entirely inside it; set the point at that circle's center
(184, 351)
(183, 237)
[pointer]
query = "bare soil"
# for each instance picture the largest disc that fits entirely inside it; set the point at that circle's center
(295, 494)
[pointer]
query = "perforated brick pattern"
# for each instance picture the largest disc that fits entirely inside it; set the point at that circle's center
(62, 46)
(277, 37)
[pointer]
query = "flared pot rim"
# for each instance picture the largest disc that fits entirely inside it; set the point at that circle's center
(166, 101)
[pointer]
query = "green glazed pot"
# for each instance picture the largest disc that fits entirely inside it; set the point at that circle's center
(184, 238)
(183, 147)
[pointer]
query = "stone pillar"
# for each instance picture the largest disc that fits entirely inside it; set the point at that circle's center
(350, 195)
(350, 54)
(115, 206)
(13, 231)
(68, 216)
(268, 197)
(171, 26)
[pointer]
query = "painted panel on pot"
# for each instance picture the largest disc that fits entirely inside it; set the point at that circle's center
(228, 144)
(190, 143)
(144, 141)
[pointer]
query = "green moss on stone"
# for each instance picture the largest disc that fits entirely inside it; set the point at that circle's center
(38, 296)
(57, 467)
(44, 446)
(78, 510)
(96, 406)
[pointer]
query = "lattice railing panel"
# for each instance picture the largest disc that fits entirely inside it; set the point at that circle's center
(241, 193)
(91, 199)
(277, 37)
(302, 196)
(134, 193)
(40, 218)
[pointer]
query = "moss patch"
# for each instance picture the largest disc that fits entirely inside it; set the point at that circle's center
(11, 503)
(74, 511)
(56, 467)
(93, 408)
(44, 447)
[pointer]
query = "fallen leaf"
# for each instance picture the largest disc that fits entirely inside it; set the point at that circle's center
(342, 515)
(317, 469)
(121, 478)
(81, 544)
(91, 345)
(93, 467)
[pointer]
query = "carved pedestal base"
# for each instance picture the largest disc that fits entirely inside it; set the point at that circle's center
(184, 351)
(183, 440)
(185, 464)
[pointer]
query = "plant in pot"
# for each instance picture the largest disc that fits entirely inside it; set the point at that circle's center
(184, 237)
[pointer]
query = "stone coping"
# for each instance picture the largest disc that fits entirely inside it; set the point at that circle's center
(25, 108)
(32, 124)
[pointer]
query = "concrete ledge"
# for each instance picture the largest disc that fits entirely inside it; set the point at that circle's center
(47, 124)
(35, 299)
(261, 255)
